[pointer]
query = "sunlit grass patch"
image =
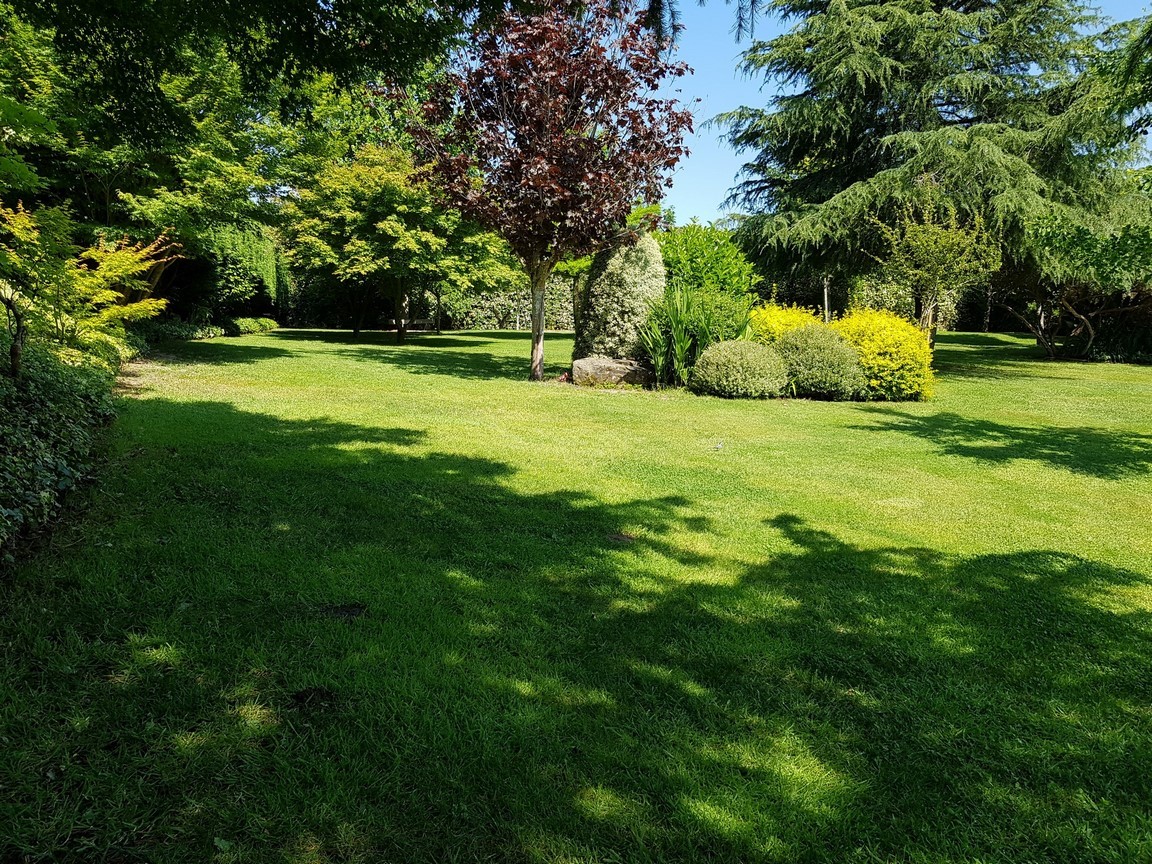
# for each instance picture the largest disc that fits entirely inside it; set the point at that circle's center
(350, 601)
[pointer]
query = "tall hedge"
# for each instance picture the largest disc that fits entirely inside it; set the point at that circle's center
(50, 424)
(612, 303)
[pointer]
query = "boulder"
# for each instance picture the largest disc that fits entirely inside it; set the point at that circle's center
(606, 372)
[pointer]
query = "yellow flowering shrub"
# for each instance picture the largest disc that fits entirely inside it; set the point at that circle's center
(894, 354)
(771, 321)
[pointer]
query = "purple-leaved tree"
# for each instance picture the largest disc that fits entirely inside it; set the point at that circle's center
(549, 129)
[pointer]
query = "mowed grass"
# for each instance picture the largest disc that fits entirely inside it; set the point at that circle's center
(337, 600)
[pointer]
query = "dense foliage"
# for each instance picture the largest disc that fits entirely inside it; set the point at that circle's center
(121, 52)
(1006, 112)
(894, 354)
(707, 263)
(550, 129)
(50, 423)
(705, 258)
(771, 321)
(367, 233)
(821, 365)
(739, 369)
(512, 310)
(930, 264)
(613, 303)
(678, 329)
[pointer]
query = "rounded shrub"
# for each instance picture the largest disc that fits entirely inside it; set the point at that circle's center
(771, 321)
(821, 365)
(613, 303)
(894, 354)
(739, 369)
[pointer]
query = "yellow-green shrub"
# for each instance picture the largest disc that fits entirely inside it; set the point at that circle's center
(771, 321)
(894, 354)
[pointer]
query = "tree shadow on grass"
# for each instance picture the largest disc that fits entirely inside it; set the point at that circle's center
(1103, 453)
(429, 354)
(384, 338)
(541, 676)
(215, 352)
(985, 356)
(453, 355)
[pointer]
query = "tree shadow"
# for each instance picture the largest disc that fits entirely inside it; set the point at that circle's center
(435, 360)
(215, 352)
(456, 355)
(312, 637)
(385, 338)
(1103, 453)
(983, 355)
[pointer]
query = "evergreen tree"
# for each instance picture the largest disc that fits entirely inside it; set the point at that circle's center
(887, 104)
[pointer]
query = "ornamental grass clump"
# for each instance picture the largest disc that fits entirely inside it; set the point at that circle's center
(894, 354)
(739, 369)
(821, 365)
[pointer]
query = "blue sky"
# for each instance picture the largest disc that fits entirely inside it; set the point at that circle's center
(702, 181)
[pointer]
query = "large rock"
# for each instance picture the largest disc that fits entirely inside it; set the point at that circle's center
(605, 372)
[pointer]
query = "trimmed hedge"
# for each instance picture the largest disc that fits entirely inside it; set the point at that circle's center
(158, 332)
(739, 369)
(247, 326)
(821, 365)
(50, 422)
(894, 354)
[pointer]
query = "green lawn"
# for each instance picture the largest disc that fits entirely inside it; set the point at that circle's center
(337, 600)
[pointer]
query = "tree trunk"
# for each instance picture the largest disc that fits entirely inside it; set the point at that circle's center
(827, 298)
(539, 275)
(401, 313)
(19, 334)
(357, 305)
(15, 351)
(988, 309)
(1037, 331)
(1084, 322)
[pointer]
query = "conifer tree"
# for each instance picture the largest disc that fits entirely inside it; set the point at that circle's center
(885, 104)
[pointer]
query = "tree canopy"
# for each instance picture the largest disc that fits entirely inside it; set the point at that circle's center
(549, 131)
(994, 103)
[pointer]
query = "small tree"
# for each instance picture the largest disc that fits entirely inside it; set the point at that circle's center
(46, 289)
(549, 131)
(934, 262)
(369, 228)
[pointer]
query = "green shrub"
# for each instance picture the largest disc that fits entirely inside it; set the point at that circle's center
(677, 330)
(171, 330)
(110, 348)
(739, 369)
(246, 326)
(771, 321)
(894, 354)
(49, 429)
(705, 261)
(821, 365)
(876, 292)
(512, 310)
(613, 304)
